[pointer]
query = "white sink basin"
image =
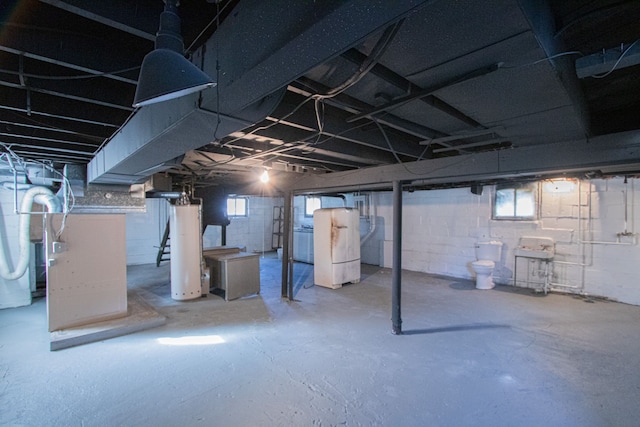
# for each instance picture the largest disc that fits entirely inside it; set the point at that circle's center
(536, 247)
(534, 253)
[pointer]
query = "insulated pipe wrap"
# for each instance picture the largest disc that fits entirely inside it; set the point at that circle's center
(42, 196)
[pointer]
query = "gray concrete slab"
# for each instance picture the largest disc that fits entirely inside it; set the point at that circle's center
(468, 358)
(140, 316)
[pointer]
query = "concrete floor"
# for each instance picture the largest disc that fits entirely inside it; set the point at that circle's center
(469, 357)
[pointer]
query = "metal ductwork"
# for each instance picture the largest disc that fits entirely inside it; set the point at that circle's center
(252, 72)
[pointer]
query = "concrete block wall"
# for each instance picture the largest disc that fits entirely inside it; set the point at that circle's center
(254, 232)
(145, 231)
(299, 218)
(371, 246)
(441, 228)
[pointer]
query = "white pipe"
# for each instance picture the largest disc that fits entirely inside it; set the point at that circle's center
(561, 285)
(40, 195)
(372, 220)
(581, 245)
(594, 242)
(625, 233)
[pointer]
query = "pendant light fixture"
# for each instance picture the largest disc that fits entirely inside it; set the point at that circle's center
(165, 73)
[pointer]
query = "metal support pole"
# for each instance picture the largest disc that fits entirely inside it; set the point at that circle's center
(287, 273)
(396, 272)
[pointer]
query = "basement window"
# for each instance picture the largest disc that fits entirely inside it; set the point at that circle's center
(311, 203)
(238, 206)
(515, 202)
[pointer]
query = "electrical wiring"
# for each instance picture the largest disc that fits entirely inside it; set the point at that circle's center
(506, 66)
(549, 58)
(404, 166)
(334, 136)
(424, 152)
(622, 55)
(376, 53)
(304, 142)
(206, 28)
(69, 198)
(378, 50)
(270, 125)
(386, 138)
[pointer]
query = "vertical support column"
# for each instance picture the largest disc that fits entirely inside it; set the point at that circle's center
(396, 272)
(223, 235)
(287, 272)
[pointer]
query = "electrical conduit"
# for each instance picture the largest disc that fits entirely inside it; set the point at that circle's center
(42, 196)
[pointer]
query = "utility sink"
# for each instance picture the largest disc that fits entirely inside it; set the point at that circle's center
(535, 247)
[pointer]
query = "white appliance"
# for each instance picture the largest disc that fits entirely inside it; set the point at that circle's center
(186, 252)
(336, 246)
(303, 245)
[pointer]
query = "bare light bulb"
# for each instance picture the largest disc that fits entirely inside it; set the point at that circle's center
(264, 178)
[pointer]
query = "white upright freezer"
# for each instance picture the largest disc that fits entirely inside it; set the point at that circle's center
(336, 246)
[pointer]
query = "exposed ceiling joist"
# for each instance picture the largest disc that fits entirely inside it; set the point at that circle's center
(254, 48)
(617, 152)
(72, 51)
(268, 73)
(15, 124)
(135, 18)
(406, 85)
(58, 142)
(76, 117)
(485, 143)
(462, 135)
(425, 92)
(335, 128)
(354, 106)
(67, 95)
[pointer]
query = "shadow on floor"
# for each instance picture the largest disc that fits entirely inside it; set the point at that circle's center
(467, 285)
(530, 292)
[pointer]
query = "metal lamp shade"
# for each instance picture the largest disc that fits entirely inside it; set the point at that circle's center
(165, 75)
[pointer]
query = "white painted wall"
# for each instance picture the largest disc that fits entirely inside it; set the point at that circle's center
(145, 231)
(441, 227)
(254, 231)
(370, 248)
(13, 293)
(299, 218)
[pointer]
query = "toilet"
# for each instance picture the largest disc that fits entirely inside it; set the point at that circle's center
(487, 254)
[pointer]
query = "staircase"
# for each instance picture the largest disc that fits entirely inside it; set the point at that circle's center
(165, 247)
